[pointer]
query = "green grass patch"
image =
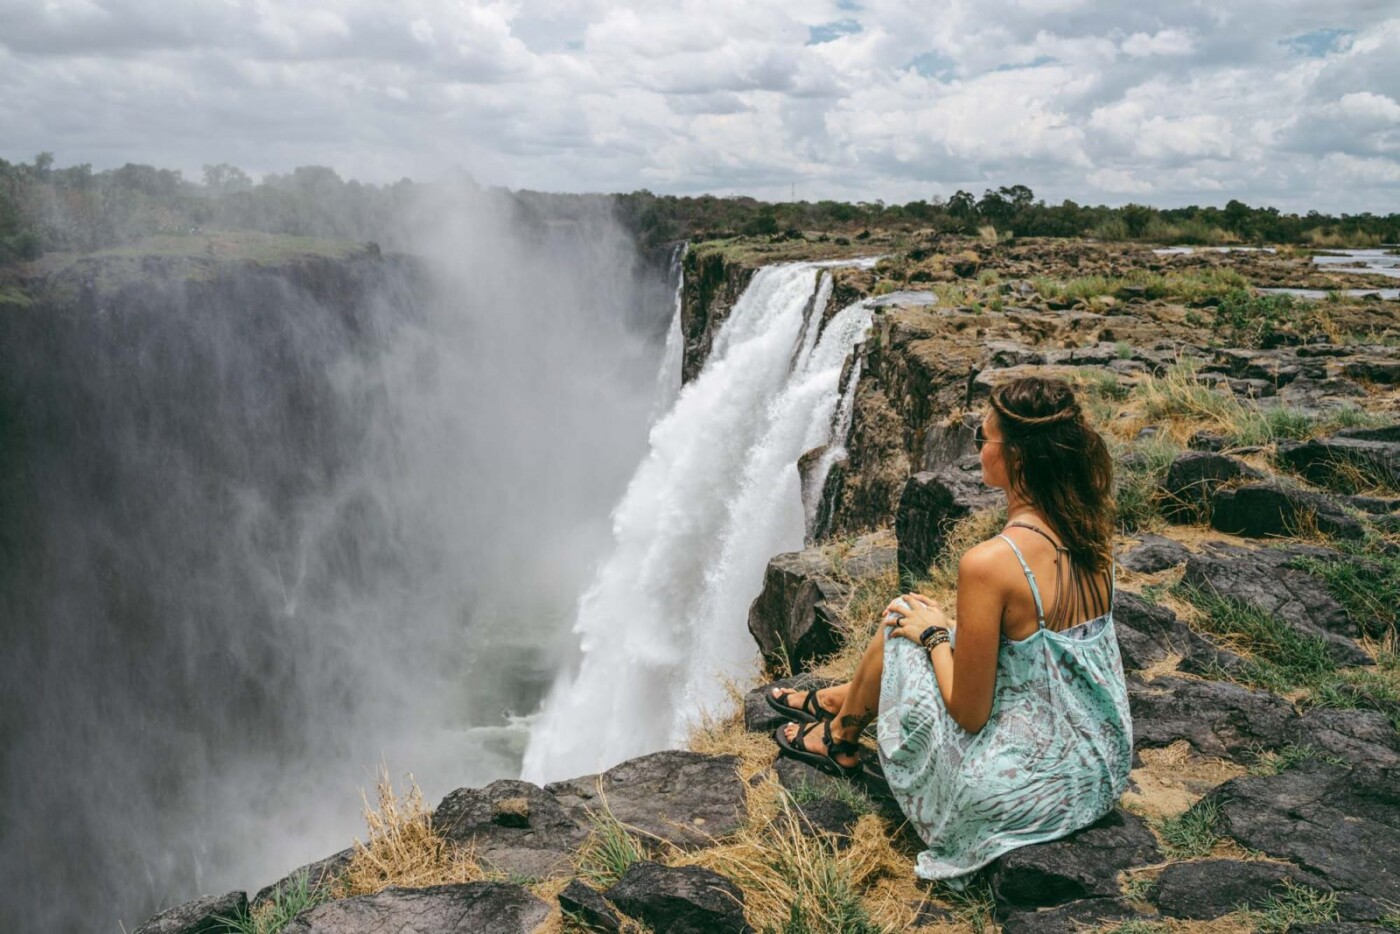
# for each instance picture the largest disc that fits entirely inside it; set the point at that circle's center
(295, 897)
(845, 792)
(609, 850)
(1368, 587)
(1294, 904)
(1244, 319)
(1137, 481)
(1274, 761)
(1192, 833)
(1188, 286)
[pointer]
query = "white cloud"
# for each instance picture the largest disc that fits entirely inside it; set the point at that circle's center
(1157, 99)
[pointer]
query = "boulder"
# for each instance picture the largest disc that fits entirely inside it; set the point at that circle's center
(1069, 918)
(318, 875)
(1217, 718)
(1210, 888)
(1342, 824)
(512, 826)
(1257, 510)
(588, 907)
(200, 916)
(931, 502)
(1194, 477)
(680, 899)
(468, 908)
(1084, 864)
(682, 797)
(793, 618)
(1319, 458)
(1262, 579)
(1154, 553)
(1382, 370)
(1147, 633)
(1355, 736)
(828, 816)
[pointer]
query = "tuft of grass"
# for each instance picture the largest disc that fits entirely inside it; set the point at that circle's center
(1244, 319)
(1192, 833)
(403, 848)
(1294, 904)
(1138, 483)
(1280, 659)
(1367, 588)
(845, 792)
(1274, 761)
(972, 904)
(289, 902)
(796, 881)
(609, 850)
(1187, 285)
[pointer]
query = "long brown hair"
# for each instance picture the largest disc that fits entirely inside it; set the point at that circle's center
(1058, 462)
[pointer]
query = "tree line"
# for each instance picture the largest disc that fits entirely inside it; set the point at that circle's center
(75, 209)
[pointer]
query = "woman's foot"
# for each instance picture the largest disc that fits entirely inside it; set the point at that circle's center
(814, 743)
(828, 699)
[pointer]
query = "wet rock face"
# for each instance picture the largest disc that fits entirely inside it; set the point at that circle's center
(711, 287)
(684, 798)
(512, 825)
(200, 916)
(1083, 865)
(1343, 824)
(680, 900)
(465, 908)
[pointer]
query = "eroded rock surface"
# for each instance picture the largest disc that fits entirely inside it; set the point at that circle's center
(680, 900)
(464, 908)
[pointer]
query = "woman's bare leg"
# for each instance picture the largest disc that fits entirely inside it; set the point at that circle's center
(860, 704)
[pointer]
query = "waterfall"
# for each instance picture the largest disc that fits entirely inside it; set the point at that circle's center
(664, 622)
(668, 378)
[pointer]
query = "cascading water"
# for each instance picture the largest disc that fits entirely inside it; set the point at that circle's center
(668, 377)
(664, 622)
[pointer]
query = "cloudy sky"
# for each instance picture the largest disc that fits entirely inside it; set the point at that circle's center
(1286, 103)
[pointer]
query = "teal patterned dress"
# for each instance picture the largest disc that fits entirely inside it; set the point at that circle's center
(1053, 756)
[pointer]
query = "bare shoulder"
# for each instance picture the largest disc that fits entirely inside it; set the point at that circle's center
(985, 563)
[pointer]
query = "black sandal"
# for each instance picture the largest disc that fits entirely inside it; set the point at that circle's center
(809, 711)
(826, 763)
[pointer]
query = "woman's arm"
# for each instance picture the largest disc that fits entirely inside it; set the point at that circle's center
(967, 678)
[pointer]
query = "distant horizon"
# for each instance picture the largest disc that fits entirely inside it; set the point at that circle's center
(1275, 103)
(261, 178)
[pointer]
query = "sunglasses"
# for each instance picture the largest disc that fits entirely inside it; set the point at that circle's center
(980, 438)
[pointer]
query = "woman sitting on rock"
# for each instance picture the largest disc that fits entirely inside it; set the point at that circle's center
(1023, 734)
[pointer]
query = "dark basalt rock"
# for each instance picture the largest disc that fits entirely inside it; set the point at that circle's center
(793, 619)
(1084, 864)
(682, 797)
(1258, 510)
(680, 900)
(1358, 737)
(468, 908)
(1262, 579)
(199, 916)
(513, 826)
(1194, 477)
(1207, 441)
(1216, 717)
(1342, 824)
(318, 874)
(1069, 918)
(929, 505)
(588, 906)
(827, 815)
(1319, 459)
(1147, 633)
(1211, 888)
(1373, 370)
(1154, 553)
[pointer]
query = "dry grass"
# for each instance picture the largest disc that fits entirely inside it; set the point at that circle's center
(783, 866)
(403, 848)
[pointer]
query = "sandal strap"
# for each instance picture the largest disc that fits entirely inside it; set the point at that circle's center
(838, 747)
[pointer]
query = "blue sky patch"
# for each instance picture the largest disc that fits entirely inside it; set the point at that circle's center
(1317, 43)
(931, 65)
(829, 32)
(1033, 63)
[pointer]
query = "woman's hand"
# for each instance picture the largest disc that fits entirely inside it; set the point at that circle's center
(916, 613)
